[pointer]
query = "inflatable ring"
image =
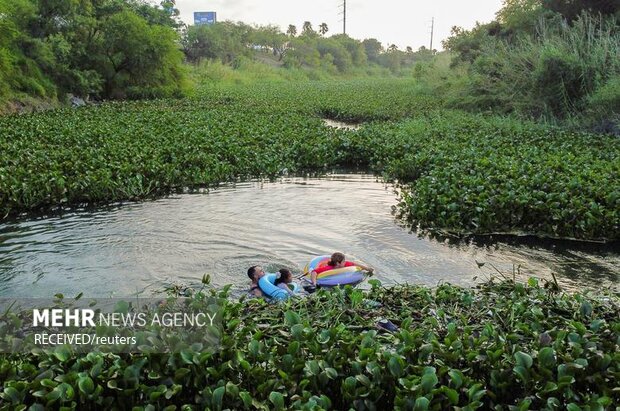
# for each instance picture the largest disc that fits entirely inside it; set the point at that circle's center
(338, 276)
(271, 290)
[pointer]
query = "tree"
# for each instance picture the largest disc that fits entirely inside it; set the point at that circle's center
(373, 49)
(307, 29)
(467, 45)
(292, 30)
(270, 37)
(225, 41)
(340, 56)
(323, 29)
(354, 48)
(571, 9)
(138, 60)
(392, 48)
(519, 16)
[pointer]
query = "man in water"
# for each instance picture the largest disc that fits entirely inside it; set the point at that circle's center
(255, 273)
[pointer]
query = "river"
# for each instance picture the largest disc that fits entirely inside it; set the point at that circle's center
(143, 247)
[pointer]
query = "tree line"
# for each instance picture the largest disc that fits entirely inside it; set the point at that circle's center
(549, 59)
(117, 49)
(307, 48)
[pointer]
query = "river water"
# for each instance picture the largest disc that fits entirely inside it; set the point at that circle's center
(122, 250)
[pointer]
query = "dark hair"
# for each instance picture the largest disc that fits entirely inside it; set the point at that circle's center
(252, 271)
(284, 274)
(336, 258)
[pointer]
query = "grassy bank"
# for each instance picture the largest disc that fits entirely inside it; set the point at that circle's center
(463, 172)
(499, 345)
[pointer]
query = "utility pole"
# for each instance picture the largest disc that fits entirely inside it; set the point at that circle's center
(344, 16)
(432, 29)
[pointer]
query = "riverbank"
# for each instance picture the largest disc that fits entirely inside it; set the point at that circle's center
(498, 344)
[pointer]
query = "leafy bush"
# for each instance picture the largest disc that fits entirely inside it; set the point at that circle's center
(548, 73)
(604, 106)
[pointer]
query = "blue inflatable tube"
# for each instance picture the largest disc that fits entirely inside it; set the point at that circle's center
(271, 290)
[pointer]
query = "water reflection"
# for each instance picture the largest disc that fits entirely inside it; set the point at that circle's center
(140, 247)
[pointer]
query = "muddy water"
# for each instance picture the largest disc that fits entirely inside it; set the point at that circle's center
(143, 247)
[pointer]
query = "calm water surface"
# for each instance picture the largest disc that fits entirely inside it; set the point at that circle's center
(142, 247)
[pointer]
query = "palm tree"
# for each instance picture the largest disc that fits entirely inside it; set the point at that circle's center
(323, 29)
(292, 30)
(393, 47)
(307, 28)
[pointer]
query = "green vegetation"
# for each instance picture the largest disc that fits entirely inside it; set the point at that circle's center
(463, 173)
(551, 60)
(555, 60)
(499, 345)
(133, 49)
(101, 49)
(475, 174)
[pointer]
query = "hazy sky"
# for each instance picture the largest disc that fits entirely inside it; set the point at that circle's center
(402, 22)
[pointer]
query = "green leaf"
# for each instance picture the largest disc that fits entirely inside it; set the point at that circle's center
(395, 366)
(291, 318)
(428, 382)
(363, 379)
(297, 331)
(11, 394)
(523, 359)
(452, 395)
(421, 404)
(293, 347)
(522, 373)
(86, 385)
(332, 374)
(63, 353)
(374, 283)
(216, 398)
(121, 307)
(475, 392)
(350, 383)
(546, 357)
(525, 405)
(586, 309)
(313, 367)
(187, 357)
(231, 389)
(246, 398)
(573, 407)
(604, 401)
(277, 400)
(456, 377)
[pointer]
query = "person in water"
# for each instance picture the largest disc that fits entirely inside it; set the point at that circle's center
(284, 277)
(337, 260)
(255, 273)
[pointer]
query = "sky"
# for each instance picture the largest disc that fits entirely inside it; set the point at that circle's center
(401, 22)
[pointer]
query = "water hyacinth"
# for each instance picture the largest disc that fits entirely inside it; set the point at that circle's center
(460, 172)
(498, 345)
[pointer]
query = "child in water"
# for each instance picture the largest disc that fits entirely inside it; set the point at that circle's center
(284, 277)
(337, 260)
